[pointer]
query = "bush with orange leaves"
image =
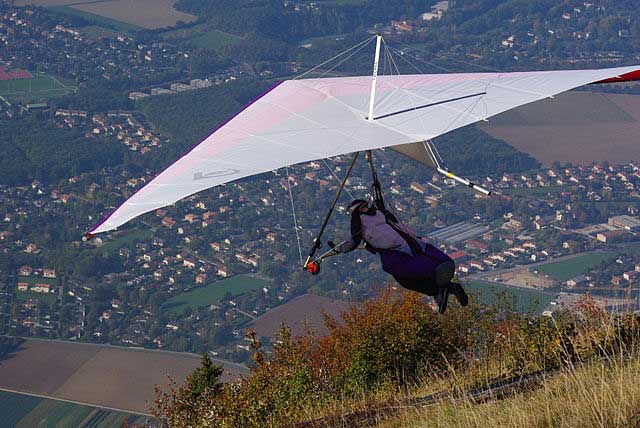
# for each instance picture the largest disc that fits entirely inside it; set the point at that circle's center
(395, 341)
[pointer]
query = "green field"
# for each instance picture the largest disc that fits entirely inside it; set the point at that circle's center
(214, 40)
(48, 298)
(40, 86)
(98, 20)
(567, 269)
(202, 38)
(14, 407)
(524, 300)
(212, 293)
(128, 237)
(25, 411)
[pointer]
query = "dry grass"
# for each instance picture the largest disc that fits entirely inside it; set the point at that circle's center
(598, 395)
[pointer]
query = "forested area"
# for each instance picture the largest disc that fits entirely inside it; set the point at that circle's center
(32, 149)
(8, 345)
(274, 19)
(190, 117)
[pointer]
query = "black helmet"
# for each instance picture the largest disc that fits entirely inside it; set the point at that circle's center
(355, 204)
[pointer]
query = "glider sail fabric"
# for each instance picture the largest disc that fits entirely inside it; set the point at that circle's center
(303, 120)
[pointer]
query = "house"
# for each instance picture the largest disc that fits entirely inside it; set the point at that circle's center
(616, 280)
(168, 222)
(190, 218)
(459, 256)
(41, 288)
(223, 271)
(23, 286)
(417, 187)
(49, 273)
(201, 278)
(611, 236)
(475, 245)
(189, 262)
(25, 270)
(631, 276)
(476, 265)
(31, 249)
(577, 281)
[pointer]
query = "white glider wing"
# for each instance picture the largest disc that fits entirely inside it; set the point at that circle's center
(302, 120)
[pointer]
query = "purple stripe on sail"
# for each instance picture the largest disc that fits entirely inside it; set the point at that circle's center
(89, 234)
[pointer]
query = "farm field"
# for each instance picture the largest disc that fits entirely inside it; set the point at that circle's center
(98, 375)
(567, 269)
(577, 127)
(14, 407)
(136, 13)
(97, 20)
(202, 37)
(214, 40)
(26, 411)
(40, 86)
(209, 294)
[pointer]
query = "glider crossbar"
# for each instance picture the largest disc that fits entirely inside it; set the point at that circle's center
(316, 241)
(437, 161)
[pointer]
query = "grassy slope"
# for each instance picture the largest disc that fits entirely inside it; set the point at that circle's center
(593, 396)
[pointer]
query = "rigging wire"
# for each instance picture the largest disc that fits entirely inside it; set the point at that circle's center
(364, 42)
(337, 178)
(493, 69)
(344, 60)
(295, 218)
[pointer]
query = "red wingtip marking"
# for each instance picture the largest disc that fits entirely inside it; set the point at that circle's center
(627, 77)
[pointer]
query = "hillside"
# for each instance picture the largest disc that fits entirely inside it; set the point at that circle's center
(394, 357)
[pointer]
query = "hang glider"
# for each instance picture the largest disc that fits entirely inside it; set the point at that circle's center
(302, 120)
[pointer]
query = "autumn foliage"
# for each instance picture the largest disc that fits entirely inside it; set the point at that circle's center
(390, 344)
